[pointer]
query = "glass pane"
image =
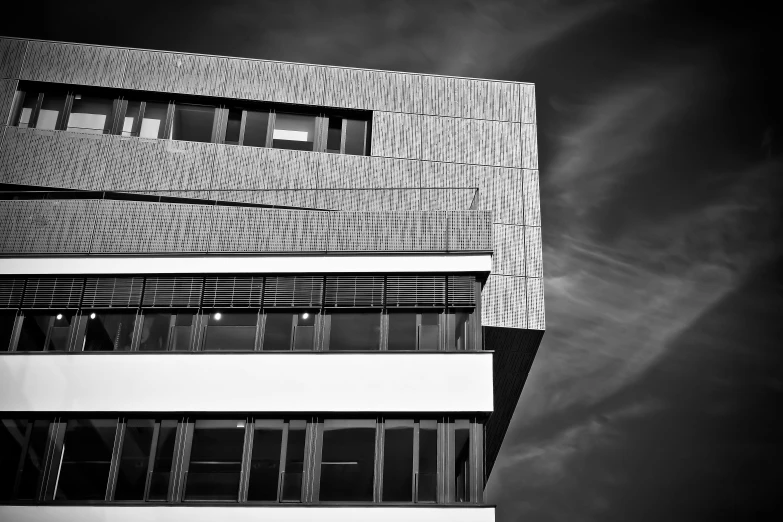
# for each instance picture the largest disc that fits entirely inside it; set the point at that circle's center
(256, 123)
(164, 459)
(52, 106)
(294, 462)
(402, 331)
(7, 320)
(152, 125)
(109, 331)
(87, 450)
(427, 479)
(36, 327)
(462, 461)
(231, 331)
(26, 110)
(355, 136)
(398, 461)
(355, 331)
(334, 135)
(13, 433)
(294, 131)
(265, 461)
(90, 114)
(347, 460)
(458, 330)
(155, 332)
(192, 122)
(428, 332)
(304, 331)
(277, 331)
(215, 460)
(131, 118)
(134, 459)
(34, 461)
(61, 327)
(233, 126)
(183, 326)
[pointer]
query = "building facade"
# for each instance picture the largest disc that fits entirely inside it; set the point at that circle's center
(294, 292)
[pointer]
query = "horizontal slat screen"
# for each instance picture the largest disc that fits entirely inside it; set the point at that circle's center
(122, 292)
(173, 292)
(11, 292)
(415, 290)
(354, 291)
(53, 292)
(461, 290)
(293, 291)
(233, 292)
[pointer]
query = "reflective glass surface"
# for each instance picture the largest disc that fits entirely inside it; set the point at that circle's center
(90, 114)
(231, 331)
(293, 131)
(86, 459)
(7, 320)
(192, 122)
(402, 331)
(398, 461)
(355, 331)
(347, 459)
(108, 331)
(215, 460)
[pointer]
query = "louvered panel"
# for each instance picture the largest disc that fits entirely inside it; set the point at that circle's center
(7, 92)
(396, 135)
(469, 231)
(47, 226)
(11, 292)
(531, 201)
(53, 292)
(527, 103)
(461, 290)
(203, 75)
(152, 71)
(422, 290)
(123, 292)
(503, 302)
(142, 227)
(354, 291)
(233, 291)
(236, 229)
(74, 64)
(535, 304)
(173, 292)
(293, 291)
(11, 55)
(528, 159)
(533, 252)
(509, 250)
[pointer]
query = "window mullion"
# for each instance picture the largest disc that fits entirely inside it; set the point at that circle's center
(65, 114)
(281, 468)
(33, 123)
(415, 468)
(242, 124)
(380, 432)
(114, 465)
(247, 452)
(270, 128)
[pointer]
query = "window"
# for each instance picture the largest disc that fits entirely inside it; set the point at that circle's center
(146, 460)
(402, 331)
(162, 331)
(458, 330)
(90, 114)
(355, 331)
(277, 461)
(398, 461)
(334, 135)
(51, 110)
(153, 120)
(193, 122)
(355, 136)
(26, 110)
(256, 124)
(108, 331)
(48, 331)
(233, 127)
(294, 131)
(304, 331)
(7, 321)
(86, 459)
(278, 327)
(429, 331)
(24, 444)
(427, 474)
(347, 460)
(231, 331)
(215, 460)
(462, 461)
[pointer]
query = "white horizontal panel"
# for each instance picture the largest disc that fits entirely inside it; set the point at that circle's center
(323, 264)
(246, 513)
(245, 382)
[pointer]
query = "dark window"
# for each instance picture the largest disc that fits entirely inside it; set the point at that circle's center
(86, 459)
(7, 320)
(231, 331)
(51, 110)
(402, 331)
(278, 327)
(90, 114)
(398, 461)
(293, 131)
(458, 321)
(33, 463)
(304, 331)
(347, 460)
(45, 332)
(427, 476)
(462, 461)
(162, 463)
(193, 122)
(233, 126)
(13, 437)
(130, 124)
(26, 112)
(429, 331)
(135, 459)
(155, 330)
(256, 124)
(334, 135)
(153, 122)
(182, 330)
(215, 460)
(355, 331)
(291, 490)
(355, 136)
(265, 460)
(108, 331)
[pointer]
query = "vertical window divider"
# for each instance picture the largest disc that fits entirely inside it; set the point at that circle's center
(444, 452)
(53, 457)
(343, 134)
(137, 330)
(415, 467)
(36, 111)
(178, 482)
(270, 128)
(380, 433)
(65, 114)
(169, 123)
(281, 468)
(17, 331)
(247, 451)
(478, 330)
(12, 119)
(242, 125)
(312, 469)
(136, 128)
(259, 338)
(151, 461)
(114, 465)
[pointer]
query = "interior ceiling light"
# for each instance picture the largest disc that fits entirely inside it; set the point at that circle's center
(92, 315)
(218, 316)
(305, 315)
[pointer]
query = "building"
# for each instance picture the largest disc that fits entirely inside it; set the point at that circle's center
(294, 292)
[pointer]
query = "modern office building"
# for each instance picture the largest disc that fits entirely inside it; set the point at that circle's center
(237, 289)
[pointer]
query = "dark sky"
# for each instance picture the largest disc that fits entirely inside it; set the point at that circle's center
(657, 393)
